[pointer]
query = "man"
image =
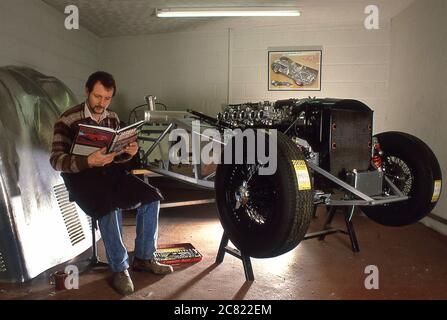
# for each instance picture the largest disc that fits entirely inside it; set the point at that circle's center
(102, 187)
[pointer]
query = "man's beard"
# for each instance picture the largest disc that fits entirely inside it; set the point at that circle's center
(98, 109)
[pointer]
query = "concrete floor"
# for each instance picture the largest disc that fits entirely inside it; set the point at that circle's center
(411, 261)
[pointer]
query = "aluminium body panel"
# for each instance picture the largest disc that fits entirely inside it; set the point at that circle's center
(39, 227)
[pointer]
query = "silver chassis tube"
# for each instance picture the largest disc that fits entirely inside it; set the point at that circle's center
(152, 148)
(365, 200)
(195, 181)
(175, 122)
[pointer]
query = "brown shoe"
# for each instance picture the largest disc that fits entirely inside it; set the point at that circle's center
(122, 282)
(151, 266)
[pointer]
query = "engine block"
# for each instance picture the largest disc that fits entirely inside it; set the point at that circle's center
(255, 114)
(335, 134)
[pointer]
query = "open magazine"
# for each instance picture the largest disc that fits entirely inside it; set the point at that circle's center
(92, 138)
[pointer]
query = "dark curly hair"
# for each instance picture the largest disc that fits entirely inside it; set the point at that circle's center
(105, 78)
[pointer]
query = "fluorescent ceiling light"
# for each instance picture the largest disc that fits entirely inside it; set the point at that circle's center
(228, 12)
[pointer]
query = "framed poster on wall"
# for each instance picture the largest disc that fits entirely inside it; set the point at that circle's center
(294, 70)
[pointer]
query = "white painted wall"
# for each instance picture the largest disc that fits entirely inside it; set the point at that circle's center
(186, 70)
(32, 34)
(355, 62)
(418, 81)
(190, 69)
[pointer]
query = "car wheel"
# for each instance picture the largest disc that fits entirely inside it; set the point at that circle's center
(412, 166)
(265, 215)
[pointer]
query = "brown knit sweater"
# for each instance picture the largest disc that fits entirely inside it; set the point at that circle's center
(65, 130)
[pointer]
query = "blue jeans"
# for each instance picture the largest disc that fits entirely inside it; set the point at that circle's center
(111, 227)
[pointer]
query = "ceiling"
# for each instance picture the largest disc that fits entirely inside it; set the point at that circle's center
(111, 18)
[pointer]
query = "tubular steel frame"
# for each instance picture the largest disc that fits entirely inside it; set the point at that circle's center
(331, 204)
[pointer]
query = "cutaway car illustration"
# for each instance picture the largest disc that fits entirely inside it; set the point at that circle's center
(302, 75)
(94, 137)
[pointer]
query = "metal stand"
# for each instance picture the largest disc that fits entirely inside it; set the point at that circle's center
(321, 235)
(327, 229)
(94, 259)
(224, 248)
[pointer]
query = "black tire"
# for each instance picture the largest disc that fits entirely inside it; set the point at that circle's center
(276, 215)
(424, 171)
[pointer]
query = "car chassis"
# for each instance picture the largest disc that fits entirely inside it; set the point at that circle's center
(342, 176)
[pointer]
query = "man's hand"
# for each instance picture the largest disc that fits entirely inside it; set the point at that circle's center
(100, 159)
(132, 149)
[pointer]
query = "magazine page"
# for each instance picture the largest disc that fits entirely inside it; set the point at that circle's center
(122, 141)
(125, 136)
(90, 139)
(135, 125)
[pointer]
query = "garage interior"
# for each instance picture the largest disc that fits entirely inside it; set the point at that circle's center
(399, 70)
